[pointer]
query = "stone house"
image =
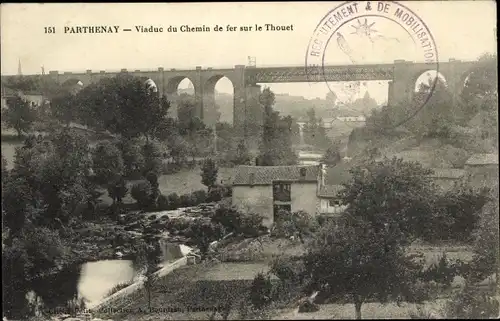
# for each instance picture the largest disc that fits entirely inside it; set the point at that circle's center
(267, 189)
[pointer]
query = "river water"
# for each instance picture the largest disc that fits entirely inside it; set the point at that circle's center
(90, 281)
(98, 278)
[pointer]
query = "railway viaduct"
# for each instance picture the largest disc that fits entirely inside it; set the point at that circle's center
(402, 76)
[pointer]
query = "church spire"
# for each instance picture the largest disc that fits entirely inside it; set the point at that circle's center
(19, 71)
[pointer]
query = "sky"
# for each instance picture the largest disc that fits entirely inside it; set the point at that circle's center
(461, 29)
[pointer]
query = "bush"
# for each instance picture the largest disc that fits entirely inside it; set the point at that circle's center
(288, 270)
(203, 232)
(118, 287)
(199, 196)
(261, 291)
(234, 221)
(162, 203)
(173, 201)
(471, 304)
(141, 193)
(216, 194)
(250, 225)
(185, 200)
(298, 224)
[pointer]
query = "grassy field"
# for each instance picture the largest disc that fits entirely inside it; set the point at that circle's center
(212, 284)
(368, 311)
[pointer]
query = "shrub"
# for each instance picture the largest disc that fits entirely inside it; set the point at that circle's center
(261, 291)
(141, 193)
(471, 304)
(298, 224)
(173, 201)
(185, 200)
(118, 287)
(228, 217)
(162, 203)
(287, 269)
(203, 232)
(250, 225)
(234, 221)
(199, 196)
(216, 194)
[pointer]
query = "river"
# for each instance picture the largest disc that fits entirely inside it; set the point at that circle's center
(89, 281)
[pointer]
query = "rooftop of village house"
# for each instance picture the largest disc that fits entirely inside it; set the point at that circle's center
(266, 175)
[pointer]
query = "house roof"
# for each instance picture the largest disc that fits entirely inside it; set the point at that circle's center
(266, 175)
(328, 191)
(453, 173)
(482, 159)
(338, 174)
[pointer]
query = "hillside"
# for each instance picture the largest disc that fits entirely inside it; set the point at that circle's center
(452, 152)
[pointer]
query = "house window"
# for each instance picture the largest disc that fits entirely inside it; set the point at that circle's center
(334, 202)
(282, 192)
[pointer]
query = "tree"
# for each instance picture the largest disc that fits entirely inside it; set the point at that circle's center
(204, 232)
(107, 162)
(141, 192)
(5, 171)
(242, 156)
(391, 191)
(359, 262)
(55, 171)
(332, 155)
(314, 132)
(19, 114)
(132, 154)
(152, 178)
(209, 173)
(117, 190)
(64, 107)
(146, 260)
(367, 256)
(123, 105)
(276, 144)
(480, 95)
(486, 239)
(152, 154)
(436, 116)
(179, 149)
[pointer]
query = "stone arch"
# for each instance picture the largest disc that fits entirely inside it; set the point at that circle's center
(210, 111)
(427, 77)
(171, 91)
(151, 85)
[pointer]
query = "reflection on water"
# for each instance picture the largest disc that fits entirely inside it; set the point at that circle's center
(98, 278)
(90, 281)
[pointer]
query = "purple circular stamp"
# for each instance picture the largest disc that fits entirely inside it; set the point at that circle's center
(361, 41)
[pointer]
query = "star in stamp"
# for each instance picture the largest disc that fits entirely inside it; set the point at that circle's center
(362, 41)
